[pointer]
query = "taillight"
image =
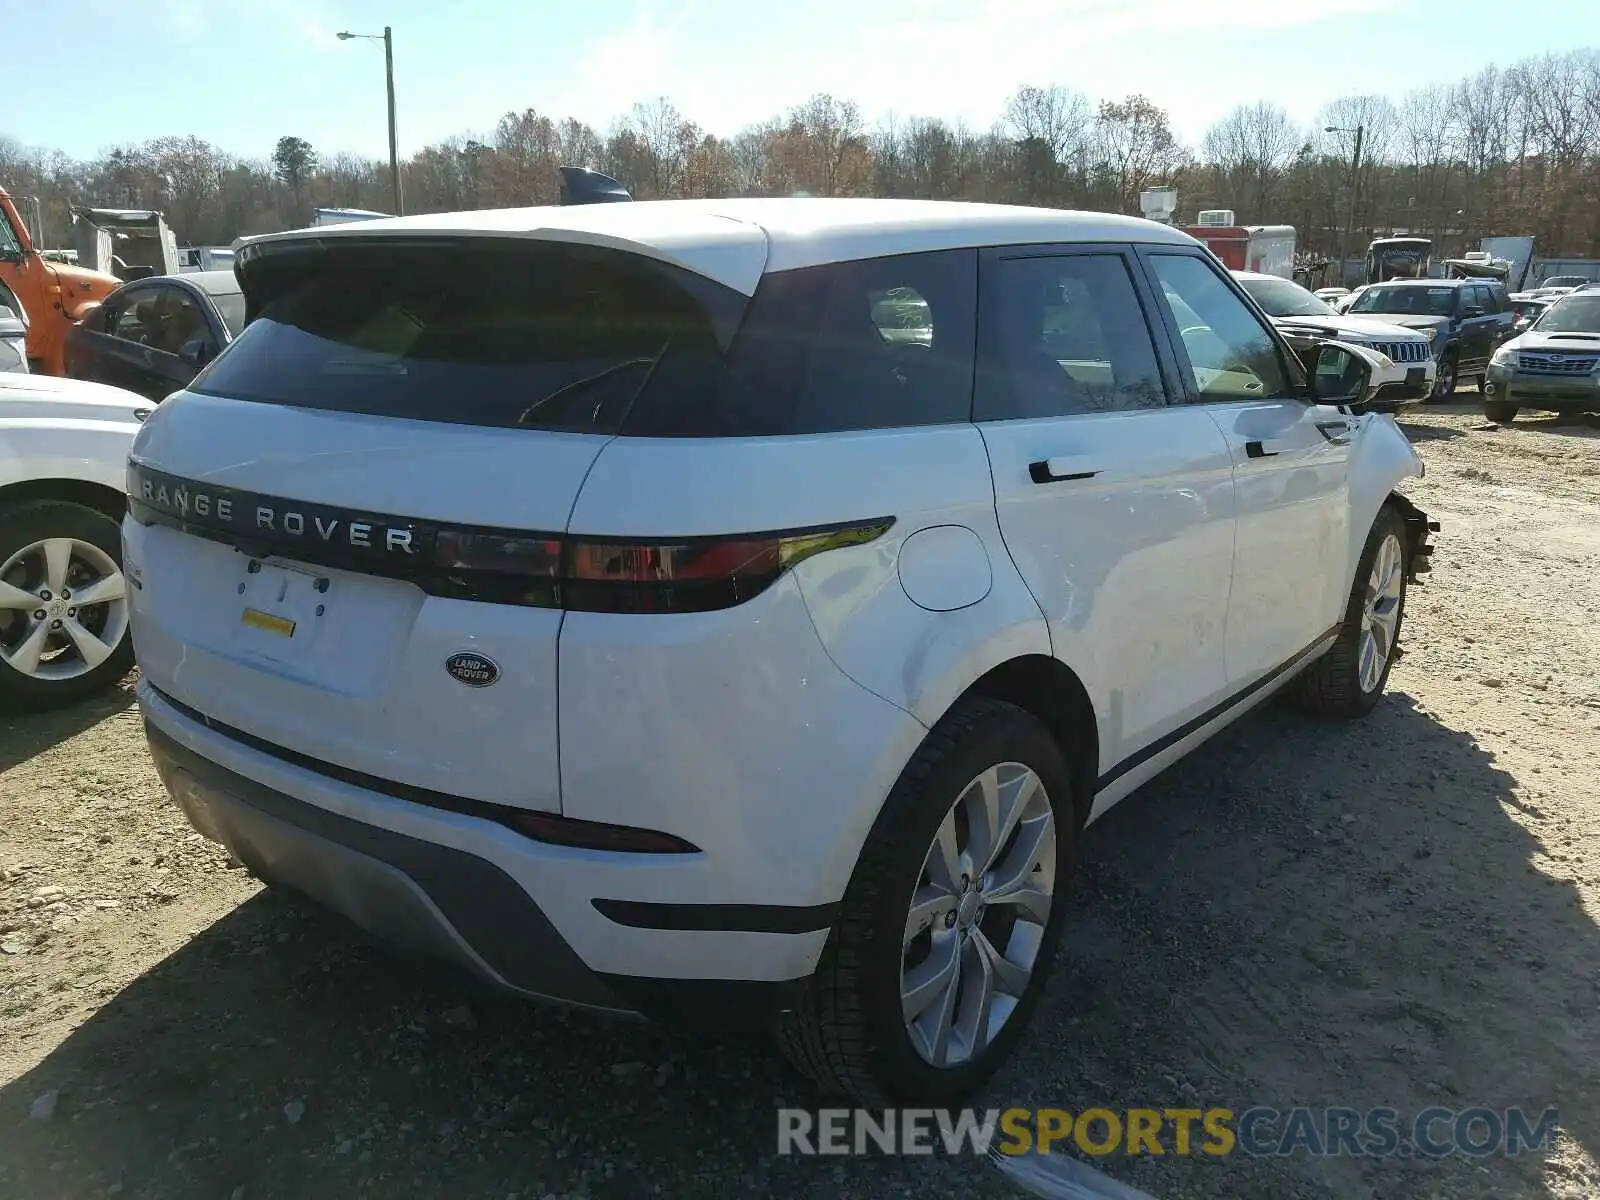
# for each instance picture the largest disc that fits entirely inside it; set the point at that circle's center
(657, 575)
(692, 574)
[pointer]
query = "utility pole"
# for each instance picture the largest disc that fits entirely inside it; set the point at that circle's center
(394, 144)
(1355, 186)
(388, 75)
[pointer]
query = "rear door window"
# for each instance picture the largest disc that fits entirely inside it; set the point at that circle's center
(877, 343)
(161, 317)
(1062, 335)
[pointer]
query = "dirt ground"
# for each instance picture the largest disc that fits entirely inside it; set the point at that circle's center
(1402, 912)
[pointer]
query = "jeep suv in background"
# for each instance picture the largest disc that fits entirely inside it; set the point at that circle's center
(1302, 316)
(1464, 319)
(739, 620)
(1554, 364)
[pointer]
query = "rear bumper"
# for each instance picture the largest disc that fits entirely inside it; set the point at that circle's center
(430, 899)
(522, 916)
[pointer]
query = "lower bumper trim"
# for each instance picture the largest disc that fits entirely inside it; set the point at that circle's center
(718, 918)
(431, 899)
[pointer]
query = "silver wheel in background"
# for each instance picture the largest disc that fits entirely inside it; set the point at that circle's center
(977, 918)
(63, 609)
(1381, 615)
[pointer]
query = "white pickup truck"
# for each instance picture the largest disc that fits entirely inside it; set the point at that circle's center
(63, 598)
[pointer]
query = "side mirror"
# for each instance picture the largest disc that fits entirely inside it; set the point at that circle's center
(196, 352)
(1344, 375)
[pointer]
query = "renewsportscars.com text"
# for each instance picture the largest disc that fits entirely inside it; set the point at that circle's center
(1260, 1132)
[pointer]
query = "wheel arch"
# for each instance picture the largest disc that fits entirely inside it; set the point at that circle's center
(110, 501)
(1050, 690)
(1383, 459)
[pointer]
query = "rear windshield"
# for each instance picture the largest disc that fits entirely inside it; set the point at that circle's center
(552, 337)
(564, 337)
(1409, 301)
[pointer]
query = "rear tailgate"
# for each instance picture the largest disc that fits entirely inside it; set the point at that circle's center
(334, 651)
(343, 538)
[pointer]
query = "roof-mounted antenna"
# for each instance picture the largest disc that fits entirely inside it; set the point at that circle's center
(580, 185)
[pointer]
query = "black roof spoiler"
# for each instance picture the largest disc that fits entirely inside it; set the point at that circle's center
(580, 185)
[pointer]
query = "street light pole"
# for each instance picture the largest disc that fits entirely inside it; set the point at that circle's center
(1355, 185)
(388, 74)
(394, 144)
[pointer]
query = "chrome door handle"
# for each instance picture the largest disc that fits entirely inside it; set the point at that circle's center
(1057, 470)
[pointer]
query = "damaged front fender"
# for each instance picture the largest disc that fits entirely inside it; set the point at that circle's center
(1418, 527)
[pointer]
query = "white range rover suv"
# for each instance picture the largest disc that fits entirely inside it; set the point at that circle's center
(733, 611)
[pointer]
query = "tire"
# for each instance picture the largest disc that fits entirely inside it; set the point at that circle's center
(48, 663)
(1500, 412)
(1337, 685)
(1445, 382)
(847, 1030)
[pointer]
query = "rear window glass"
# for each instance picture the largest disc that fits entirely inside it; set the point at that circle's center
(546, 337)
(579, 338)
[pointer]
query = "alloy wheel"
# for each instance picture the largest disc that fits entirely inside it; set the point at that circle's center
(1380, 618)
(977, 918)
(63, 609)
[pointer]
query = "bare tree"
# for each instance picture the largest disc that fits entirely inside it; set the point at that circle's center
(1250, 149)
(1136, 147)
(1511, 149)
(1057, 117)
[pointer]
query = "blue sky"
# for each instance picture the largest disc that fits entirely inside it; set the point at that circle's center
(244, 72)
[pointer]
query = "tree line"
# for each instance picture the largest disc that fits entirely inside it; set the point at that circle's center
(1508, 150)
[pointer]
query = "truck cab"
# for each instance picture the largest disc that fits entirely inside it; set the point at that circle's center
(54, 295)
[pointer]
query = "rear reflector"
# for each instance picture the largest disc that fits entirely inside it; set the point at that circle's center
(594, 835)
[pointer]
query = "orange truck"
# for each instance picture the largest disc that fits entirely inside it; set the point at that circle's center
(56, 296)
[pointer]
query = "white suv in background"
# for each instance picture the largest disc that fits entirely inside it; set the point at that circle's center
(1409, 371)
(63, 599)
(733, 611)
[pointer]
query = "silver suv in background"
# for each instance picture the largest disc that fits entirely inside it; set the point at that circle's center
(1554, 364)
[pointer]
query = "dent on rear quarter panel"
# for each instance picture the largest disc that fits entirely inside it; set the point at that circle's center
(917, 659)
(1383, 458)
